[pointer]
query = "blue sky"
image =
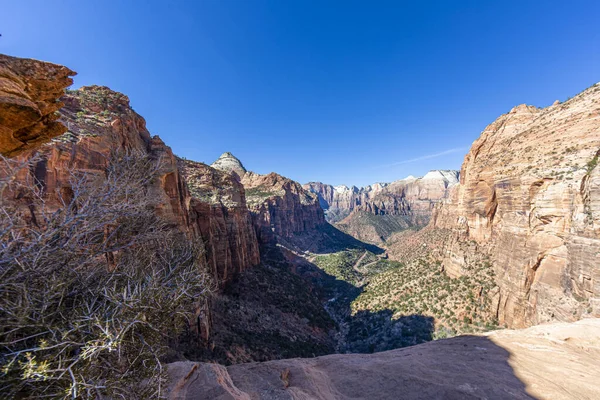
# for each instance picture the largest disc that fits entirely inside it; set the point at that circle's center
(345, 92)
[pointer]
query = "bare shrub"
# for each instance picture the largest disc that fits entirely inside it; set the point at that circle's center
(91, 291)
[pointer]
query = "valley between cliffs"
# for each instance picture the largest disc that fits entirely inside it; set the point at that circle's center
(316, 271)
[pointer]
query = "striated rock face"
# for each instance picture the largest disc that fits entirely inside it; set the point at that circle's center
(280, 206)
(29, 101)
(411, 197)
(529, 197)
(547, 362)
(373, 213)
(373, 228)
(218, 214)
(100, 122)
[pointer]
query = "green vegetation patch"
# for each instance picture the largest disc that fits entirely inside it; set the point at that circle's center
(341, 265)
(259, 194)
(592, 164)
(458, 305)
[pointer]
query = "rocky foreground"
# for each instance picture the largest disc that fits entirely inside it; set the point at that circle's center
(557, 361)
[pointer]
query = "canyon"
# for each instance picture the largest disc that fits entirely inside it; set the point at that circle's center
(310, 270)
(375, 212)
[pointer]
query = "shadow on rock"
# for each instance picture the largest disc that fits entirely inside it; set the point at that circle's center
(327, 239)
(465, 367)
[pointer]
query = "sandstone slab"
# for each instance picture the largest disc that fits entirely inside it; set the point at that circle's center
(557, 361)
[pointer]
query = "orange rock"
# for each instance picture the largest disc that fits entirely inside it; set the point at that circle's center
(280, 206)
(29, 98)
(218, 213)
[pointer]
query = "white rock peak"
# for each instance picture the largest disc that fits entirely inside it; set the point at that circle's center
(341, 188)
(229, 163)
(447, 175)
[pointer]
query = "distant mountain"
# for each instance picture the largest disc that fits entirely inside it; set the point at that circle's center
(280, 206)
(374, 212)
(229, 163)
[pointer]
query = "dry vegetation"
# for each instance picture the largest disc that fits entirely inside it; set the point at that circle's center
(398, 304)
(458, 305)
(91, 292)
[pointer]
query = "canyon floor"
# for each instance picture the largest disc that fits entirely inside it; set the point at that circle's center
(555, 361)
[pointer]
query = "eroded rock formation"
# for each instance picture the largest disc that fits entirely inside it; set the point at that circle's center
(280, 207)
(529, 197)
(411, 197)
(229, 163)
(373, 213)
(29, 101)
(218, 213)
(101, 122)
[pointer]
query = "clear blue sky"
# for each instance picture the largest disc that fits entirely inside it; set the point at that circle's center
(345, 92)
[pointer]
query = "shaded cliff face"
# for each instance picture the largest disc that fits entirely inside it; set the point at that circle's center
(374, 212)
(218, 213)
(29, 101)
(529, 197)
(280, 207)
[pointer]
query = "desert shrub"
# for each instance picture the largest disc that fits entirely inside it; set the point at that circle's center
(340, 265)
(592, 164)
(91, 291)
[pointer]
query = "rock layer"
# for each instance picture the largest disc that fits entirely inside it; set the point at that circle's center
(374, 213)
(280, 207)
(229, 163)
(101, 122)
(219, 215)
(529, 197)
(548, 362)
(413, 198)
(29, 101)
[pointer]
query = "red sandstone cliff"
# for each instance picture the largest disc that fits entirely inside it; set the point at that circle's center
(218, 213)
(101, 121)
(529, 197)
(29, 101)
(280, 207)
